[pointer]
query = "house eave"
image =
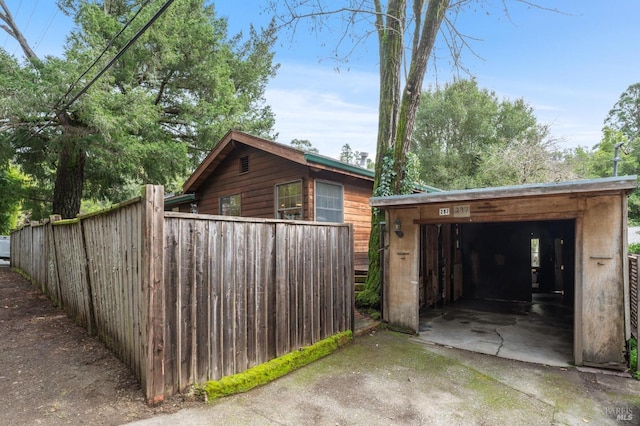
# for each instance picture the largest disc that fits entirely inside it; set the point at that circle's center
(618, 183)
(179, 199)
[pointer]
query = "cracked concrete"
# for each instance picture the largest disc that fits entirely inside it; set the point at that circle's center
(387, 378)
(514, 330)
(501, 342)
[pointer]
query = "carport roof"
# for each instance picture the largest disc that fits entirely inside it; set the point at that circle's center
(618, 183)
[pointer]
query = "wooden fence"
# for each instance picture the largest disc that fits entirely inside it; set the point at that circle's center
(633, 294)
(184, 298)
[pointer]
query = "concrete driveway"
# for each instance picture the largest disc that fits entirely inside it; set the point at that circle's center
(388, 378)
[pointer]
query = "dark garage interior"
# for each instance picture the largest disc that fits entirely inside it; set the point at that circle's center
(516, 274)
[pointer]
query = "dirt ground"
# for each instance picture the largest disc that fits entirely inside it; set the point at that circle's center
(52, 372)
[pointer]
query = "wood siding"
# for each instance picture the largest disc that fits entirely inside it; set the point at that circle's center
(257, 186)
(257, 189)
(356, 194)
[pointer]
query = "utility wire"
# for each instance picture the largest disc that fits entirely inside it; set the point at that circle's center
(46, 30)
(120, 53)
(105, 68)
(104, 51)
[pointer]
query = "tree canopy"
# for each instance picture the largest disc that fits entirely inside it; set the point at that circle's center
(466, 137)
(150, 118)
(304, 145)
(621, 130)
(625, 114)
(406, 34)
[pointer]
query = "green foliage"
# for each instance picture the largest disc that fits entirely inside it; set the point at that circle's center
(465, 137)
(622, 129)
(634, 248)
(386, 178)
(12, 184)
(370, 296)
(153, 116)
(304, 145)
(275, 368)
(624, 117)
(410, 173)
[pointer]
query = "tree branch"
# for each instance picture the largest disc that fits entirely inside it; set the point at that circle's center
(12, 29)
(163, 85)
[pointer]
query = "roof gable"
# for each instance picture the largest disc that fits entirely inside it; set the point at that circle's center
(231, 140)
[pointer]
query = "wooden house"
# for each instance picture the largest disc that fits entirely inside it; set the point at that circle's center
(249, 176)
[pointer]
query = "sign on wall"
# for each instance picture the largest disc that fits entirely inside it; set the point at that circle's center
(462, 211)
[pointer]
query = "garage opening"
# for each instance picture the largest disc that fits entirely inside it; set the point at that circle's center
(504, 288)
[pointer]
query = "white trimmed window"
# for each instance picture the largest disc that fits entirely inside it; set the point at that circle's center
(329, 202)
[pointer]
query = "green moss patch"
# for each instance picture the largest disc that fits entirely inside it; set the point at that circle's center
(275, 368)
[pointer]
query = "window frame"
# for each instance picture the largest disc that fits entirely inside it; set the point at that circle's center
(315, 199)
(277, 199)
(229, 196)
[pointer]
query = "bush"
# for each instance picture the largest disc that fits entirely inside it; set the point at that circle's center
(634, 248)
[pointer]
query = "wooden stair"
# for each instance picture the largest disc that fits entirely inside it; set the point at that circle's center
(360, 278)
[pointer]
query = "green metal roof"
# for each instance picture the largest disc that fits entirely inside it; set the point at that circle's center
(326, 161)
(179, 199)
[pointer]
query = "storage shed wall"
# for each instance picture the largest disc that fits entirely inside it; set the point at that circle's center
(600, 267)
(601, 273)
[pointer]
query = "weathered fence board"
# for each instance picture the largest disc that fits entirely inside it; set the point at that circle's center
(240, 292)
(113, 267)
(182, 298)
(72, 271)
(633, 290)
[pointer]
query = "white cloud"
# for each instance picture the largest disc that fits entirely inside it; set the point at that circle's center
(327, 108)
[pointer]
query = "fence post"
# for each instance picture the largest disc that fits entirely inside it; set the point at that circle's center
(153, 286)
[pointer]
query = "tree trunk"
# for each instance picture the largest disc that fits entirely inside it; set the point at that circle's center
(12, 29)
(397, 111)
(67, 193)
(391, 42)
(413, 88)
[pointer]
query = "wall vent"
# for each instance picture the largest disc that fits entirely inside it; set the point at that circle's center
(244, 164)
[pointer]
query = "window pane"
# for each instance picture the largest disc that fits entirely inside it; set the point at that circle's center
(230, 205)
(290, 201)
(329, 204)
(535, 252)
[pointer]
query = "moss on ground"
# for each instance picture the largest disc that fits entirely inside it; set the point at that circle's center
(275, 368)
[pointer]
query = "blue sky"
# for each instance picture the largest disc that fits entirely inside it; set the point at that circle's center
(570, 67)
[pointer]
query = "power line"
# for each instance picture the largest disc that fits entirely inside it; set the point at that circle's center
(120, 53)
(105, 68)
(104, 51)
(46, 30)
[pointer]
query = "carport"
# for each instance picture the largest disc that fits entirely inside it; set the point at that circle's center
(519, 248)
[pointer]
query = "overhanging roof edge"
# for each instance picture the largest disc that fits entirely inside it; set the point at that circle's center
(592, 185)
